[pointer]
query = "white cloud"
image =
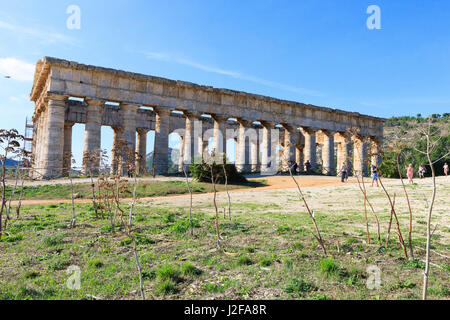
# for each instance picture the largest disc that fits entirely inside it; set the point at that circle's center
(45, 36)
(19, 98)
(234, 74)
(16, 69)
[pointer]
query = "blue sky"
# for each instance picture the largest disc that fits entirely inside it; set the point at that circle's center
(317, 52)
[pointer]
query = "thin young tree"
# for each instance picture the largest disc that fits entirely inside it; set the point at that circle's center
(10, 146)
(316, 235)
(191, 224)
(226, 184)
(90, 158)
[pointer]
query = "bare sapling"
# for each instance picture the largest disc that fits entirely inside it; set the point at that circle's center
(74, 217)
(226, 185)
(363, 189)
(26, 158)
(128, 228)
(210, 162)
(92, 157)
(362, 186)
(411, 251)
(388, 235)
(191, 224)
(9, 145)
(13, 191)
(318, 236)
(394, 214)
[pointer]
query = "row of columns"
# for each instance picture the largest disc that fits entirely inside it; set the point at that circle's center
(53, 152)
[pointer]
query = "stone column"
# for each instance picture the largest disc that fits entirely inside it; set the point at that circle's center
(266, 146)
(343, 154)
(375, 151)
(128, 113)
(42, 138)
(310, 146)
(54, 137)
(255, 153)
(289, 146)
(328, 166)
(92, 136)
(193, 125)
(359, 156)
(141, 150)
(299, 158)
(242, 154)
(116, 153)
(67, 157)
(161, 149)
(220, 134)
(180, 154)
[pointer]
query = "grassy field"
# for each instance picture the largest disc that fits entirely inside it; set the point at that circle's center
(145, 189)
(269, 252)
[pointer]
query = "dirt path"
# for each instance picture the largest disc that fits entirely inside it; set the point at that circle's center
(273, 183)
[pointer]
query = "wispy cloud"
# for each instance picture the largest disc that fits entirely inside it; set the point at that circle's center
(16, 69)
(230, 73)
(45, 36)
(19, 98)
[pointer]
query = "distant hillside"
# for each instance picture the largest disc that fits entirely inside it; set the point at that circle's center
(408, 124)
(11, 163)
(173, 160)
(403, 127)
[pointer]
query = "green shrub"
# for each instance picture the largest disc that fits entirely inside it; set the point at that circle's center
(53, 240)
(244, 261)
(266, 261)
(169, 272)
(189, 269)
(202, 173)
(95, 263)
(328, 266)
(299, 286)
(166, 286)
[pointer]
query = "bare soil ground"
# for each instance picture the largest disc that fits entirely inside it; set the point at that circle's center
(268, 249)
(271, 183)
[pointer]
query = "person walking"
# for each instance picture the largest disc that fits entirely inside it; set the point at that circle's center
(374, 174)
(421, 171)
(344, 173)
(410, 173)
(446, 169)
(308, 166)
(130, 170)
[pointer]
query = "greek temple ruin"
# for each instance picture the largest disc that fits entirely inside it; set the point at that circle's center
(267, 131)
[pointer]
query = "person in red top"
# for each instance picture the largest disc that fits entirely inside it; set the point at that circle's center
(410, 173)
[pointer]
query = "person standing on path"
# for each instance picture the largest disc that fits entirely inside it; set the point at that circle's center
(410, 173)
(446, 169)
(344, 174)
(374, 174)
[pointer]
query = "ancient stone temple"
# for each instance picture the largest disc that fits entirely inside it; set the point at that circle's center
(268, 132)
